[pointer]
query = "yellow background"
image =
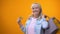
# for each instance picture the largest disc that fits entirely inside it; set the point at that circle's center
(12, 9)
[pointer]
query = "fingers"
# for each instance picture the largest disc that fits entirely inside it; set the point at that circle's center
(19, 19)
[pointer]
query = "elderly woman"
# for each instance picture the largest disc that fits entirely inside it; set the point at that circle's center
(36, 22)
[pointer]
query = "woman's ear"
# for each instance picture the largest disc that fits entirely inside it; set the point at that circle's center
(40, 10)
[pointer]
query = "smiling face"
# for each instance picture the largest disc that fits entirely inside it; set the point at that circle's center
(36, 9)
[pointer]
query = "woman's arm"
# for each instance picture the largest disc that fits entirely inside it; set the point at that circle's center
(44, 23)
(20, 25)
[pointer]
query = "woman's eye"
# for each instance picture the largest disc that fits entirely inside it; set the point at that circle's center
(32, 8)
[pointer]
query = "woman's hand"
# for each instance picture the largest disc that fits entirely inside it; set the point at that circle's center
(19, 20)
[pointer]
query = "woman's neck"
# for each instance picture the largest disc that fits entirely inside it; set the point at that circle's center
(36, 16)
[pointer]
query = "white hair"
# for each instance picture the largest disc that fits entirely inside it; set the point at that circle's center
(36, 4)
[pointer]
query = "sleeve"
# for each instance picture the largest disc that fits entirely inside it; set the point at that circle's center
(23, 28)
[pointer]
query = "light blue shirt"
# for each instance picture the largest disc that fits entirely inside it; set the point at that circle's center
(40, 24)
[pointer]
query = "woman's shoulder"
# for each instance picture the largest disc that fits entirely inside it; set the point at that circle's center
(42, 16)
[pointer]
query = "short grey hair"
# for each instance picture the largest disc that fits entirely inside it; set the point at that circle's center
(37, 4)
